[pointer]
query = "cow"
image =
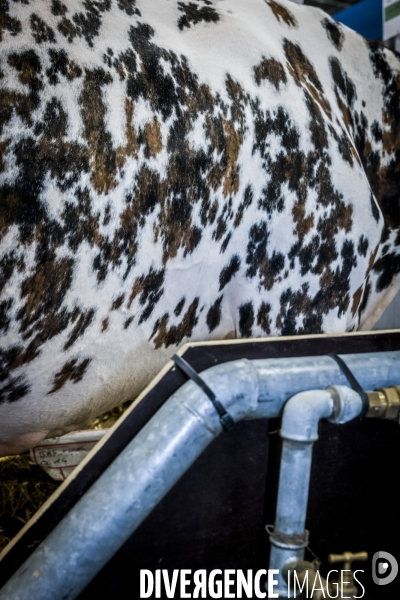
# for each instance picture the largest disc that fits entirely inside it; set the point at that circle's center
(175, 171)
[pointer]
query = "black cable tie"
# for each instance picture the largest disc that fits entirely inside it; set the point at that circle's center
(353, 382)
(226, 420)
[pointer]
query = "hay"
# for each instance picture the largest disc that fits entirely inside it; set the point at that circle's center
(108, 418)
(24, 486)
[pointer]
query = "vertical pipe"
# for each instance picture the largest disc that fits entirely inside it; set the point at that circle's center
(301, 417)
(294, 481)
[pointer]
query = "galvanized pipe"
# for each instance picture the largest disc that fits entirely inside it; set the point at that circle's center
(301, 416)
(115, 505)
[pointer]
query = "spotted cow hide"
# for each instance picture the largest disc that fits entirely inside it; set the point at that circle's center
(182, 170)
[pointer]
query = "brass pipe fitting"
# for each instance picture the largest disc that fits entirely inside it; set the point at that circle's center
(306, 573)
(384, 403)
(347, 558)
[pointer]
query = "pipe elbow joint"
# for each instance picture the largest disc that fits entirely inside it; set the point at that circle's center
(236, 387)
(302, 414)
(348, 404)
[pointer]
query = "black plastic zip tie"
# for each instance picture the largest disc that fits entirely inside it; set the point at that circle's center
(353, 382)
(226, 420)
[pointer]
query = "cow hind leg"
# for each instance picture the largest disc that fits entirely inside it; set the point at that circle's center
(21, 442)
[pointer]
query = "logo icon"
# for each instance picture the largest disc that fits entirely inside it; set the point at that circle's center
(384, 568)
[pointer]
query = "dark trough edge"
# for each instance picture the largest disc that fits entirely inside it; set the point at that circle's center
(201, 357)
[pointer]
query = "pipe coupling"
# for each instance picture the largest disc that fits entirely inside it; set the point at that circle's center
(347, 404)
(289, 542)
(384, 403)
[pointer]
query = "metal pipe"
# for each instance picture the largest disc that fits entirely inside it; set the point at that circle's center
(127, 491)
(281, 378)
(301, 416)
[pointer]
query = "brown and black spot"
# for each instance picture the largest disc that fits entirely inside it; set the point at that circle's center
(377, 145)
(73, 370)
(41, 31)
(150, 81)
(176, 226)
(357, 296)
(150, 289)
(28, 65)
(271, 70)
(225, 216)
(226, 141)
(83, 321)
(376, 130)
(148, 191)
(193, 13)
(363, 245)
(345, 91)
(303, 223)
(58, 8)
(81, 224)
(225, 242)
(102, 154)
(42, 315)
(387, 267)
(334, 32)
(131, 148)
(244, 205)
(289, 166)
(257, 247)
(304, 74)
(263, 317)
(14, 388)
(10, 263)
(383, 166)
(104, 324)
(128, 321)
(282, 13)
(267, 267)
(345, 147)
(63, 160)
(297, 306)
(301, 172)
(4, 147)
(233, 140)
(173, 335)
(86, 24)
(270, 269)
(246, 319)
(239, 99)
(229, 271)
(7, 22)
(192, 173)
(214, 315)
(5, 317)
(317, 125)
(61, 65)
(152, 138)
(335, 284)
(179, 307)
(36, 156)
(117, 303)
(260, 263)
(129, 6)
(21, 203)
(43, 293)
(21, 104)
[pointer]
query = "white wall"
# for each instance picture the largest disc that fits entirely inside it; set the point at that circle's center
(390, 318)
